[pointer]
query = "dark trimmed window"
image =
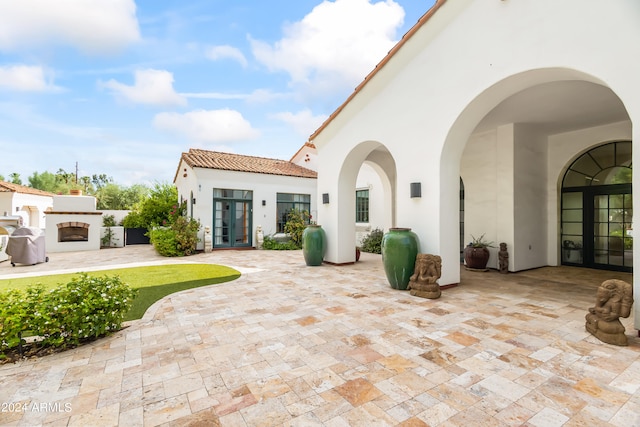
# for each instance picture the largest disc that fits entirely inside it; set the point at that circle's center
(287, 201)
(362, 205)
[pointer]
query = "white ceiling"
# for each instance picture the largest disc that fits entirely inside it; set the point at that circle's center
(558, 107)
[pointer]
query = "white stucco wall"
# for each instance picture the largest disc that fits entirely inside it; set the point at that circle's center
(51, 233)
(265, 187)
(478, 169)
(30, 207)
(504, 175)
(425, 103)
(379, 213)
(529, 247)
(73, 209)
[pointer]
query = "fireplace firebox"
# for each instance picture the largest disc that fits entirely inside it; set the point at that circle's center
(73, 231)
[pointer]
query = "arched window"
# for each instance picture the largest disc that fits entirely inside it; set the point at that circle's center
(604, 165)
(597, 209)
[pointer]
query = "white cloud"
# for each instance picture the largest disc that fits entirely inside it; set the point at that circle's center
(303, 122)
(92, 26)
(153, 87)
(215, 95)
(336, 45)
(258, 96)
(226, 52)
(25, 78)
(209, 126)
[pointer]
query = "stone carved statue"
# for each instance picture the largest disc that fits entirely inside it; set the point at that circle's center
(503, 258)
(208, 241)
(259, 237)
(614, 299)
(423, 282)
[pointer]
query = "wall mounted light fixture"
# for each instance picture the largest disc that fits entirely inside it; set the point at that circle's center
(325, 198)
(416, 189)
(264, 203)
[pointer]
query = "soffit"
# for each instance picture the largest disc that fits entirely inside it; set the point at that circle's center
(558, 107)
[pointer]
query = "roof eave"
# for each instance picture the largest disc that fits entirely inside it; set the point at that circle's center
(423, 19)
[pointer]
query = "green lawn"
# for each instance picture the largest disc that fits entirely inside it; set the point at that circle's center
(152, 282)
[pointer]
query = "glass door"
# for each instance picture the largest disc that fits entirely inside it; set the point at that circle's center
(597, 209)
(232, 218)
(240, 234)
(612, 236)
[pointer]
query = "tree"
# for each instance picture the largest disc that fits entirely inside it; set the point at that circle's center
(15, 178)
(100, 181)
(155, 209)
(114, 196)
(45, 181)
(66, 177)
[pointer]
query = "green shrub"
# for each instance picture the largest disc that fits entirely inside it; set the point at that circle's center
(177, 239)
(108, 221)
(85, 308)
(155, 209)
(297, 221)
(133, 220)
(372, 242)
(272, 244)
(109, 237)
(164, 241)
(186, 234)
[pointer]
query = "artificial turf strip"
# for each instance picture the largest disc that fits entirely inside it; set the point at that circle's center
(152, 282)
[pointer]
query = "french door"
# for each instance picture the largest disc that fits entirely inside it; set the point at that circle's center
(232, 218)
(596, 228)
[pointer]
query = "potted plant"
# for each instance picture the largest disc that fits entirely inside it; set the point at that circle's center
(476, 254)
(572, 251)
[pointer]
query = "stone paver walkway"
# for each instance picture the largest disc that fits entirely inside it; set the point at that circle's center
(290, 345)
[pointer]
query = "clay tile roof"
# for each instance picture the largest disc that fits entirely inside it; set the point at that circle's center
(8, 187)
(197, 158)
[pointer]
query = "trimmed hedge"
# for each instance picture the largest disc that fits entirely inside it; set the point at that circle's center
(84, 309)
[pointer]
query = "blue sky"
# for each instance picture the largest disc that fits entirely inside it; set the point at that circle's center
(123, 87)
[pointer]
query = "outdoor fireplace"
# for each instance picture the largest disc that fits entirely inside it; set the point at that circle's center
(73, 224)
(73, 231)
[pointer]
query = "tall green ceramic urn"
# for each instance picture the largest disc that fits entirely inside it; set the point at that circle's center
(314, 244)
(399, 250)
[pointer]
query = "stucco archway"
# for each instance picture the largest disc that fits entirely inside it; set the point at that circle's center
(340, 209)
(525, 119)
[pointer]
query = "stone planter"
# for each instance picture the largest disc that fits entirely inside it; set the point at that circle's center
(399, 250)
(314, 245)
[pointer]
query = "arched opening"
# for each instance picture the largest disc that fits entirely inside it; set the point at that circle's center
(368, 166)
(597, 209)
(510, 144)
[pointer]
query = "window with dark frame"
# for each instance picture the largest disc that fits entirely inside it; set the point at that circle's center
(287, 201)
(362, 205)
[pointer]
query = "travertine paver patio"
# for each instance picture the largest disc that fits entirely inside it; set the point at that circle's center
(293, 345)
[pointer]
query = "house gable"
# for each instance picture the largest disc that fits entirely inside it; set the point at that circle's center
(197, 158)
